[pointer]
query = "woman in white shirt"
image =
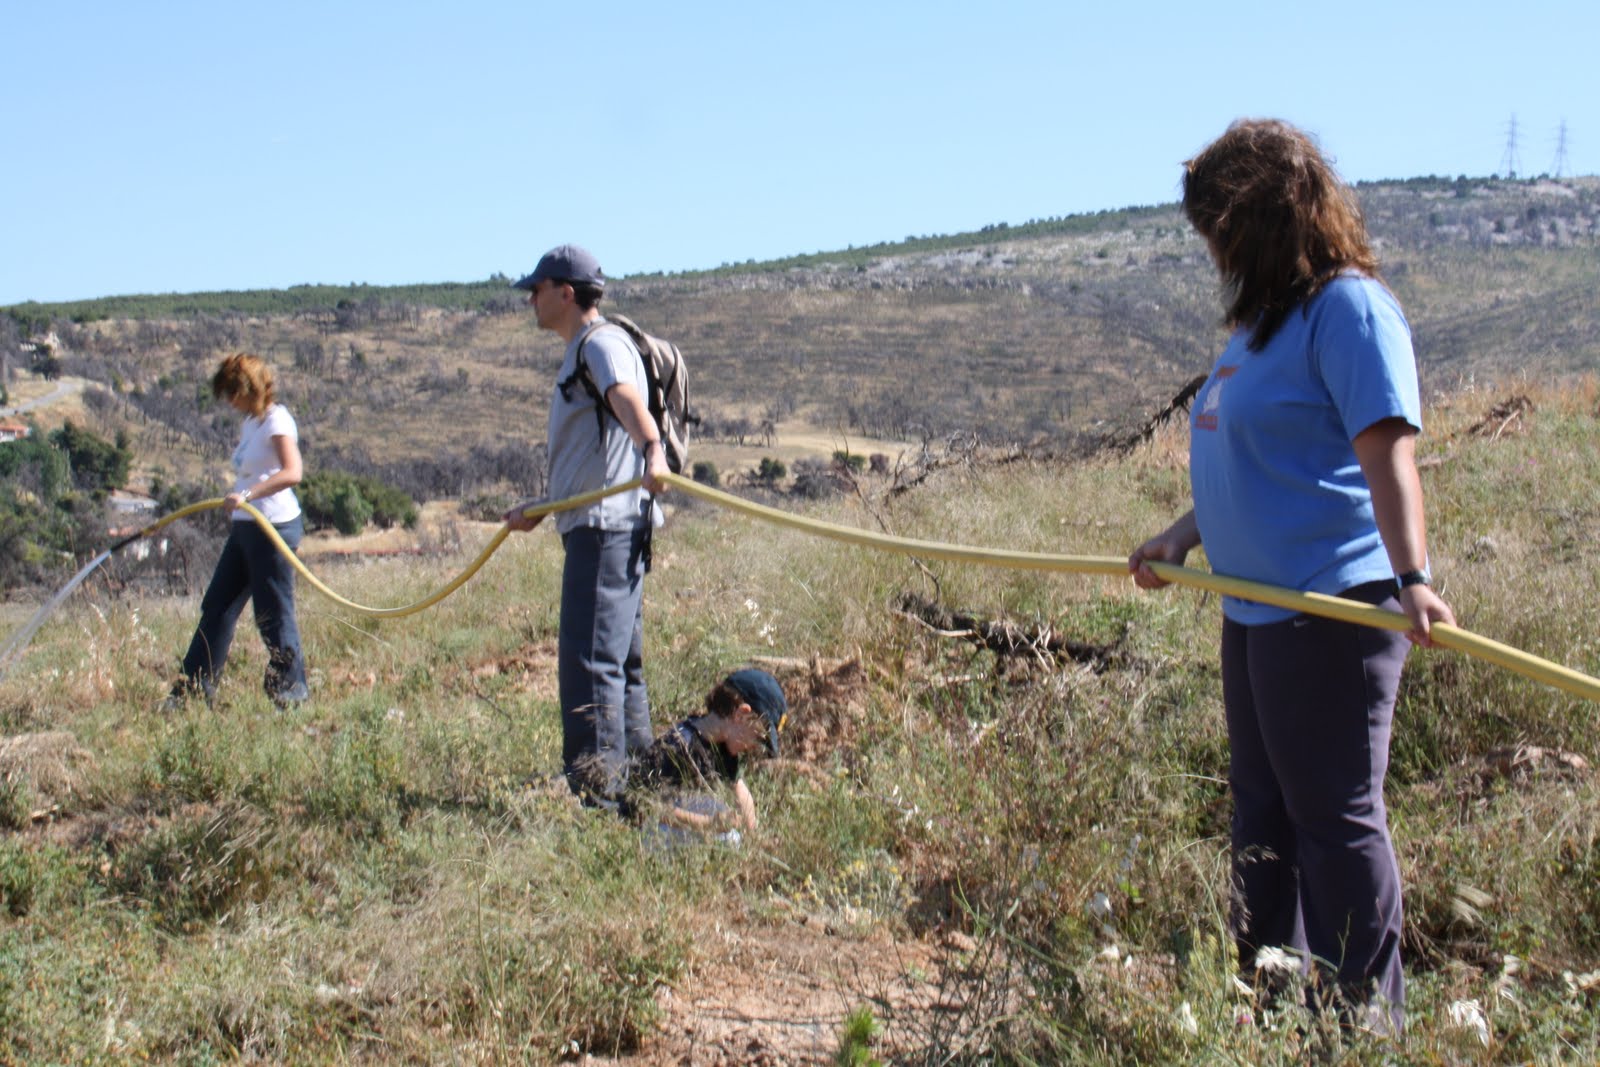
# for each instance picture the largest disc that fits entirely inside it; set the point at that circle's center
(266, 467)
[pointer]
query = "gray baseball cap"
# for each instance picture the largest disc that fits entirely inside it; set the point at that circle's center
(569, 263)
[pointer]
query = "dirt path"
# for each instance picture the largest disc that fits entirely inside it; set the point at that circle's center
(63, 389)
(770, 994)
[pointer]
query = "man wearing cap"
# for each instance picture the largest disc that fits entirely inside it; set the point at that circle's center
(605, 710)
(681, 771)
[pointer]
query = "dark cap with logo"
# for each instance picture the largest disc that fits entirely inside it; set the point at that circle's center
(569, 263)
(765, 696)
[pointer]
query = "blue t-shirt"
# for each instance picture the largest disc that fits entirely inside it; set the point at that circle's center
(1278, 494)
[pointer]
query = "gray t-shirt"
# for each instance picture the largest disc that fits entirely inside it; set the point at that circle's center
(580, 461)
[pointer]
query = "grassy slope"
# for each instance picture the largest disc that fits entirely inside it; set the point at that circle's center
(372, 877)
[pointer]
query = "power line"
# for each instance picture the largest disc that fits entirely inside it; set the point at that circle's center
(1560, 167)
(1509, 163)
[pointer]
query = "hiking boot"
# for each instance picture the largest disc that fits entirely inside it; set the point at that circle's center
(185, 690)
(298, 693)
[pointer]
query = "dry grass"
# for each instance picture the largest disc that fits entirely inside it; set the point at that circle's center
(390, 875)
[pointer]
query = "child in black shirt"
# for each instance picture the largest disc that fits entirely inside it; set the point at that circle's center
(677, 775)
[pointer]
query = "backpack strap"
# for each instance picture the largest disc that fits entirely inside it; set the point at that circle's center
(581, 375)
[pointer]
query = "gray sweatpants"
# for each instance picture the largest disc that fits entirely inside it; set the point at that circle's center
(1310, 702)
(605, 709)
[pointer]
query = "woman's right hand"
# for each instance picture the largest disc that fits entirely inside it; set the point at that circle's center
(1171, 545)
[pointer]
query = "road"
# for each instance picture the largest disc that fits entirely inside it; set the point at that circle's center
(64, 388)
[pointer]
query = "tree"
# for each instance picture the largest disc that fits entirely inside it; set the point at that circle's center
(98, 466)
(350, 510)
(44, 521)
(47, 365)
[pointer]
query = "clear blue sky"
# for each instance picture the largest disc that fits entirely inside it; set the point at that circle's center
(177, 146)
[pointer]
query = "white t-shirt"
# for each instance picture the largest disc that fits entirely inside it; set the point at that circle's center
(256, 460)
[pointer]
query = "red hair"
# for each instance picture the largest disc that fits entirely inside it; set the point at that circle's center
(247, 377)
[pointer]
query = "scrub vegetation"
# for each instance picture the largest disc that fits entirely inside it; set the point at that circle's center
(395, 875)
(1029, 837)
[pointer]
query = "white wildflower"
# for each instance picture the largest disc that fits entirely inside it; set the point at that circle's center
(1186, 1020)
(1581, 983)
(1468, 1015)
(1274, 960)
(1505, 987)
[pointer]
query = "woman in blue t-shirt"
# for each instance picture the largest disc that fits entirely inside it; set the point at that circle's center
(266, 467)
(1303, 472)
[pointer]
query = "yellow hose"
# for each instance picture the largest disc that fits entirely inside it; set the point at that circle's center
(408, 609)
(1332, 607)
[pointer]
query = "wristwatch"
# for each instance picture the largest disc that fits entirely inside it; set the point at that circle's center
(1410, 578)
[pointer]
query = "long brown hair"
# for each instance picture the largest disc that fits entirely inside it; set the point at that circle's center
(246, 376)
(1281, 222)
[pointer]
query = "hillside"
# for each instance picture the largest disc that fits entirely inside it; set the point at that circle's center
(1050, 334)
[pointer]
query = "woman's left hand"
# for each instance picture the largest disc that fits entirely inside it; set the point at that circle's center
(1424, 607)
(233, 501)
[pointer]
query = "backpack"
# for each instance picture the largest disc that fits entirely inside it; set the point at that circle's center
(666, 389)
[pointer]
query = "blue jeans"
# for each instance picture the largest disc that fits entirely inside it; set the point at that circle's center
(1310, 704)
(250, 568)
(605, 710)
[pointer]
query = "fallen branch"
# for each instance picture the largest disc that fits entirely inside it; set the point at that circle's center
(1176, 404)
(1005, 639)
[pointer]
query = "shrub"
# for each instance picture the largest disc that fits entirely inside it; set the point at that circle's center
(351, 511)
(771, 470)
(348, 502)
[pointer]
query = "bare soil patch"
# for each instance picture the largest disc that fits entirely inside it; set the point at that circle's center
(779, 994)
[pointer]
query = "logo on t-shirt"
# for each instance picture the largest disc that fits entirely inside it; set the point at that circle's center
(1205, 417)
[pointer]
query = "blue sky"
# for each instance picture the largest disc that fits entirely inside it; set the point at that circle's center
(176, 147)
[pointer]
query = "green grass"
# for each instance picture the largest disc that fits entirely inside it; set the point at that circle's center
(388, 875)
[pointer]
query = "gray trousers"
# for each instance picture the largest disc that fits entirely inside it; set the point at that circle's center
(1310, 702)
(605, 710)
